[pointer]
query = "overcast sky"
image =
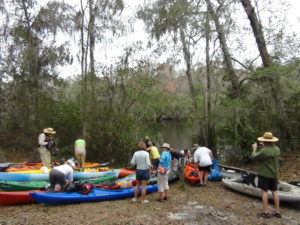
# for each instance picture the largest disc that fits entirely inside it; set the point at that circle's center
(108, 53)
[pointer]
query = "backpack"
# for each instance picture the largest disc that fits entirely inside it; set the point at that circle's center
(79, 187)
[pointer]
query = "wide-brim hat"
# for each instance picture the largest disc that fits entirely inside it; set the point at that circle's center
(268, 137)
(71, 163)
(195, 146)
(166, 145)
(49, 130)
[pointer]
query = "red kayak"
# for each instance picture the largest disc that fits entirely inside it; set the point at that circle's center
(16, 197)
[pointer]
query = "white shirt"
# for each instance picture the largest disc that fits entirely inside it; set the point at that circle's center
(202, 156)
(141, 160)
(67, 170)
(42, 140)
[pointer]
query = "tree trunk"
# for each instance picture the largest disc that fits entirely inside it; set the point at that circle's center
(275, 85)
(227, 57)
(187, 58)
(210, 126)
(92, 43)
(83, 75)
(257, 31)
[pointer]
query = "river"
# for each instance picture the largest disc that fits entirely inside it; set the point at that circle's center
(179, 134)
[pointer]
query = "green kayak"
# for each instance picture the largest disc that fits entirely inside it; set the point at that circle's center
(37, 185)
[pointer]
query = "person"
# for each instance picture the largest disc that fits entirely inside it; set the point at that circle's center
(154, 155)
(203, 160)
(45, 141)
(194, 148)
(175, 155)
(268, 158)
(163, 174)
(141, 160)
(80, 151)
(62, 175)
(186, 158)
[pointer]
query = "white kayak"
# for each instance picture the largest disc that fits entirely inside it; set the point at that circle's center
(286, 192)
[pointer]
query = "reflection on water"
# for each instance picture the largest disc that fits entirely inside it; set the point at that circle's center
(178, 134)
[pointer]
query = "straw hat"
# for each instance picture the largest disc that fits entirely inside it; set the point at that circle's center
(166, 145)
(268, 137)
(195, 146)
(49, 130)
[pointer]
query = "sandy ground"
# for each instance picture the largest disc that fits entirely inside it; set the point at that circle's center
(189, 205)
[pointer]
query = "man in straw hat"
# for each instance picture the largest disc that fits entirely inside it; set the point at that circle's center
(268, 170)
(45, 140)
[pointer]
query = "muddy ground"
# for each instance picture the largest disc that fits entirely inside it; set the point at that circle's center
(189, 205)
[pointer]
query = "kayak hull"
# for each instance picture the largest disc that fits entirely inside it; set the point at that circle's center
(18, 197)
(37, 177)
(37, 185)
(286, 192)
(95, 195)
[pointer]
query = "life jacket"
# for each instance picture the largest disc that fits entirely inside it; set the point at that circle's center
(85, 189)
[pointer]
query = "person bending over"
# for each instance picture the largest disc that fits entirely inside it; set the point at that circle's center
(62, 175)
(203, 160)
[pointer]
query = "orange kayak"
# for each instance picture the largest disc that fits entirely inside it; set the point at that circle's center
(191, 173)
(124, 172)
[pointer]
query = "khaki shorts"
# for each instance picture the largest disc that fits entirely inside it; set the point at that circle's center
(162, 182)
(80, 154)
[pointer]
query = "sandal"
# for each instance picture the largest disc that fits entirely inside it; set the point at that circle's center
(265, 215)
(166, 198)
(276, 214)
(160, 200)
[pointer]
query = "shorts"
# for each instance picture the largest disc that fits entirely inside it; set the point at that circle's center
(142, 175)
(265, 183)
(155, 163)
(56, 177)
(205, 168)
(162, 182)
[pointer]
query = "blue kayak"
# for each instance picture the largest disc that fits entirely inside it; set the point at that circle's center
(23, 177)
(95, 195)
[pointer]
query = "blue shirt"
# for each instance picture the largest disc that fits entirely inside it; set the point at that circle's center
(165, 160)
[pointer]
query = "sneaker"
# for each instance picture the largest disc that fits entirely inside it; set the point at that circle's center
(145, 201)
(134, 200)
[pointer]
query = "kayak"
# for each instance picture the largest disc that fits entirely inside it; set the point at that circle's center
(22, 186)
(21, 177)
(233, 172)
(286, 192)
(5, 166)
(37, 185)
(130, 181)
(95, 195)
(98, 169)
(34, 167)
(295, 183)
(191, 174)
(16, 197)
(124, 172)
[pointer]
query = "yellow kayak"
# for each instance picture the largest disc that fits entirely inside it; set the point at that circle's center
(100, 169)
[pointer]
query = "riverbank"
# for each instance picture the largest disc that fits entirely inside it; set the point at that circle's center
(188, 205)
